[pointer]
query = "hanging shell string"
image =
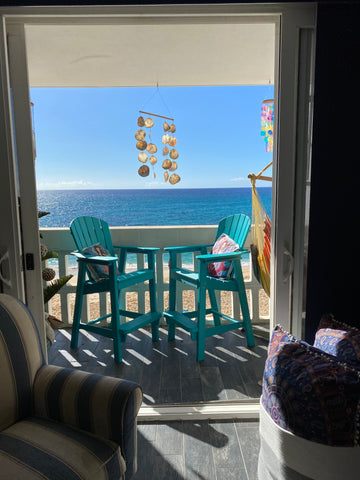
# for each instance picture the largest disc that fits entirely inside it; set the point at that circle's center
(168, 140)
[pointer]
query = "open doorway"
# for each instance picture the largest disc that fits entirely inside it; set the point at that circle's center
(284, 148)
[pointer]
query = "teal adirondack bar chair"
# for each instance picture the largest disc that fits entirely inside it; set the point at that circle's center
(221, 271)
(100, 270)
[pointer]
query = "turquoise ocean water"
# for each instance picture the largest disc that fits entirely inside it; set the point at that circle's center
(205, 206)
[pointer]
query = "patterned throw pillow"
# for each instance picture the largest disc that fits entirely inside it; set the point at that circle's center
(338, 339)
(309, 393)
(96, 271)
(224, 244)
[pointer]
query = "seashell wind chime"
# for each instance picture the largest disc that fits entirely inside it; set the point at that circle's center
(149, 148)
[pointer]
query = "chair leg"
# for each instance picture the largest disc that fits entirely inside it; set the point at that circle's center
(153, 299)
(214, 307)
(78, 307)
(201, 315)
(172, 298)
(153, 307)
(244, 306)
(247, 322)
(115, 315)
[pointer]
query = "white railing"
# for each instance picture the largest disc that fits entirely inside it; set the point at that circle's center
(60, 240)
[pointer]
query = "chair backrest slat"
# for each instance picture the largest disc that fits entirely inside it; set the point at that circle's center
(87, 231)
(236, 227)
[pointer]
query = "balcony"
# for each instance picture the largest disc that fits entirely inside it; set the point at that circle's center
(60, 240)
(167, 371)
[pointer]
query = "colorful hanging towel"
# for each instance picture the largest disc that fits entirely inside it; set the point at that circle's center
(267, 124)
(260, 247)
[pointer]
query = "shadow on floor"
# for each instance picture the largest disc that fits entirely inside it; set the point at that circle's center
(202, 450)
(168, 371)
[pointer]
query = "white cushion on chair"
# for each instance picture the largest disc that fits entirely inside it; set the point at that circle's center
(224, 244)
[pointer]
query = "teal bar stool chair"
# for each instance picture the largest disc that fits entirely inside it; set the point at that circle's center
(220, 270)
(100, 270)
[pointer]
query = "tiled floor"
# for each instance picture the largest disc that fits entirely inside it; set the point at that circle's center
(203, 450)
(168, 373)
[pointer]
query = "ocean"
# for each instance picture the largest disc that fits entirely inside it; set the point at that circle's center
(205, 206)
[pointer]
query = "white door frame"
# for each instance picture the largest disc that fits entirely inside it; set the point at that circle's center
(291, 161)
(292, 150)
(11, 269)
(21, 137)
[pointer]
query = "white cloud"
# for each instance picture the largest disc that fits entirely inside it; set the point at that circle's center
(64, 184)
(153, 184)
(238, 179)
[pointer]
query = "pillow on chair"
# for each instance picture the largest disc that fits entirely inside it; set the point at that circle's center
(224, 244)
(96, 271)
(338, 339)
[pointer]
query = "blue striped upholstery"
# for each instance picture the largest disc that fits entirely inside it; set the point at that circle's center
(21, 357)
(39, 448)
(59, 422)
(78, 398)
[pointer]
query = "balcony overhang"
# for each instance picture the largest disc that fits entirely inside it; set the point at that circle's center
(148, 55)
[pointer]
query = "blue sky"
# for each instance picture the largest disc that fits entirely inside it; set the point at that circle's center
(85, 136)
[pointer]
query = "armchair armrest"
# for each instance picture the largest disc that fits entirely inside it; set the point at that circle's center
(104, 406)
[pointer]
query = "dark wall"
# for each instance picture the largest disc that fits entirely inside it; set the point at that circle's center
(334, 259)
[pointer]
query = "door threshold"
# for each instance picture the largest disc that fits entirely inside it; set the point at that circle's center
(217, 410)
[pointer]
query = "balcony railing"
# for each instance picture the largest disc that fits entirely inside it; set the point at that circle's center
(60, 240)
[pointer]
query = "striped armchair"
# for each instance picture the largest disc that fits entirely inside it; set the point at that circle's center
(59, 423)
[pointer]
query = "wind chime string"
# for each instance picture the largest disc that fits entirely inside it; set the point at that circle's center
(150, 98)
(165, 104)
(157, 91)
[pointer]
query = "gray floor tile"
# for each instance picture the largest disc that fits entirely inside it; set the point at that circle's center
(249, 440)
(212, 384)
(199, 468)
(228, 455)
(168, 467)
(199, 438)
(147, 431)
(231, 474)
(169, 439)
(191, 389)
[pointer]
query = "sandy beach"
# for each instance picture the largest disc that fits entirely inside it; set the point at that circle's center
(131, 300)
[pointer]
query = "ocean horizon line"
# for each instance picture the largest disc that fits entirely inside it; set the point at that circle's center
(146, 188)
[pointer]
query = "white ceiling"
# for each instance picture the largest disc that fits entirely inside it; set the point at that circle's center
(150, 55)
